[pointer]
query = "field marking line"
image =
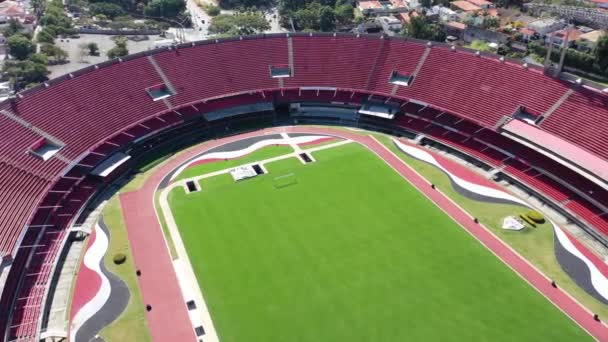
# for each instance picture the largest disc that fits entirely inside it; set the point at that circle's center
(183, 266)
(296, 147)
(182, 182)
(185, 274)
(500, 241)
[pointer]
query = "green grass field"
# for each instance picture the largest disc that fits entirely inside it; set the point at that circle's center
(350, 252)
(261, 154)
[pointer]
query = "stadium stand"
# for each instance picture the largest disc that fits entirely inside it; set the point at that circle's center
(456, 98)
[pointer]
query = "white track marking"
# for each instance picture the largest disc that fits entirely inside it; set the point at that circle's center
(92, 260)
(598, 280)
(475, 188)
(499, 240)
(285, 140)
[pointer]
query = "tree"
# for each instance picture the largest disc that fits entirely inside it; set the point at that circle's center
(239, 24)
(39, 58)
(13, 27)
(490, 22)
(419, 27)
(600, 54)
(344, 13)
(212, 10)
(315, 16)
(165, 8)
(26, 73)
(46, 35)
(93, 49)
(58, 54)
(120, 49)
(20, 47)
(426, 3)
(108, 9)
(326, 19)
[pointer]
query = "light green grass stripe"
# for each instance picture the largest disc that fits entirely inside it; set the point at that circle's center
(261, 154)
(350, 252)
(536, 245)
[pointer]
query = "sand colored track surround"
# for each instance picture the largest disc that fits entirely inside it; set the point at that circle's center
(159, 285)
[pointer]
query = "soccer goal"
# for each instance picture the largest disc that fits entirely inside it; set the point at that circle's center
(285, 180)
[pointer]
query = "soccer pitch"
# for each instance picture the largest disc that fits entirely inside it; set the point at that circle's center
(350, 251)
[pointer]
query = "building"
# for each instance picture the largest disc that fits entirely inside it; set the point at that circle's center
(455, 29)
(444, 14)
(407, 16)
(544, 26)
(600, 3)
(558, 38)
(464, 6)
(373, 7)
(528, 34)
(12, 10)
(390, 24)
(368, 6)
(587, 41)
(484, 4)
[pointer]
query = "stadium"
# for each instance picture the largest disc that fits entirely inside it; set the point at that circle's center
(299, 187)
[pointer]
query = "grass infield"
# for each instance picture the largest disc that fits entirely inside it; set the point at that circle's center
(350, 251)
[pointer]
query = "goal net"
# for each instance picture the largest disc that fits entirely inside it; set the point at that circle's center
(285, 180)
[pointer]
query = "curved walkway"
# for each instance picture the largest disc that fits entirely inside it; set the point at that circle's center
(159, 283)
(99, 296)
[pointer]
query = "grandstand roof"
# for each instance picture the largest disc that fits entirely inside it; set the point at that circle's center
(560, 147)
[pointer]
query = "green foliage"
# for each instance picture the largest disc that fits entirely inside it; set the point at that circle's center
(39, 58)
(590, 63)
(479, 45)
(120, 49)
(13, 27)
(93, 49)
(420, 27)
(315, 17)
(58, 54)
(46, 35)
(490, 22)
(54, 15)
(535, 216)
(600, 54)
(27, 72)
(110, 10)
(119, 258)
(344, 13)
(212, 10)
(239, 24)
(165, 8)
(527, 220)
(20, 46)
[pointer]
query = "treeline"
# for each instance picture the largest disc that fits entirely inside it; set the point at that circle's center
(595, 62)
(306, 15)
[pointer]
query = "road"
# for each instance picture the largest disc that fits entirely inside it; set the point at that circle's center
(200, 19)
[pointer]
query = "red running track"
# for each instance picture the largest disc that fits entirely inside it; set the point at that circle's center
(168, 320)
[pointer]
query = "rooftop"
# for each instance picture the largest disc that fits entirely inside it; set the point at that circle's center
(480, 3)
(369, 4)
(573, 34)
(398, 3)
(456, 25)
(592, 36)
(527, 31)
(465, 6)
(574, 154)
